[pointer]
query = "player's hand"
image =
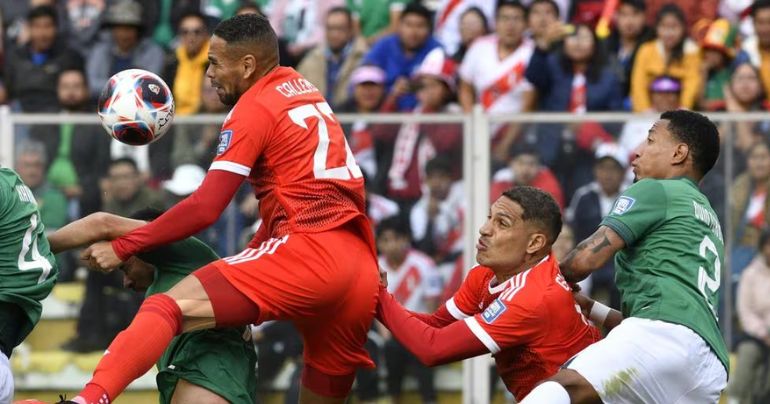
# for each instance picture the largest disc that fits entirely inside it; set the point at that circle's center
(585, 303)
(383, 277)
(101, 256)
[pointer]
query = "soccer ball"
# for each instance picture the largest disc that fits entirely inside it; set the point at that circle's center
(136, 107)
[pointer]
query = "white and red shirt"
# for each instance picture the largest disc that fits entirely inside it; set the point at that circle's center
(447, 24)
(500, 84)
(414, 281)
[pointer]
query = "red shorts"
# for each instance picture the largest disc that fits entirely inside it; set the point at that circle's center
(325, 283)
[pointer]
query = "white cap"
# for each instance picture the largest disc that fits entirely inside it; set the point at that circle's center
(186, 179)
(613, 151)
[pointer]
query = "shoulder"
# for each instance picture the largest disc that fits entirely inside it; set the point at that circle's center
(503, 175)
(420, 259)
(484, 43)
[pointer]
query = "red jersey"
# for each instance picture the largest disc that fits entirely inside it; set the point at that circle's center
(530, 323)
(285, 138)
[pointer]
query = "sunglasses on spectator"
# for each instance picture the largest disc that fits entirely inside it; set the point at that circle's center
(196, 31)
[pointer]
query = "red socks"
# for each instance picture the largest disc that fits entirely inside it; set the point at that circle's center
(135, 350)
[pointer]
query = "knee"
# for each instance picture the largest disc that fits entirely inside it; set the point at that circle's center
(166, 308)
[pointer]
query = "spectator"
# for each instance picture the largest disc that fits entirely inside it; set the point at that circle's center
(81, 22)
(717, 54)
(492, 73)
(367, 85)
(186, 68)
(416, 143)
(744, 93)
(196, 144)
(665, 95)
(125, 49)
(299, 22)
(756, 49)
(400, 54)
(31, 70)
(672, 54)
(624, 41)
(448, 21)
(542, 15)
(524, 168)
(437, 218)
(126, 191)
(753, 352)
(694, 11)
(593, 202)
(750, 206)
(30, 165)
(473, 25)
(416, 284)
(187, 178)
(329, 66)
(81, 152)
(375, 19)
(574, 79)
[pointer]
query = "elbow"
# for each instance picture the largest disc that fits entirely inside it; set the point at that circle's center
(103, 223)
(429, 359)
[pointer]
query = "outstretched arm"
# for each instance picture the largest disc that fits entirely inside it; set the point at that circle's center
(591, 254)
(198, 211)
(432, 346)
(90, 229)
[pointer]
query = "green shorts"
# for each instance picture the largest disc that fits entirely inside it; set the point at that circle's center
(218, 360)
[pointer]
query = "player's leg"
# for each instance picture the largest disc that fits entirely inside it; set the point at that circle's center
(335, 333)
(566, 387)
(189, 393)
(186, 307)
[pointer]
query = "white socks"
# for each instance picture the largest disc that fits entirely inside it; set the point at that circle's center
(547, 393)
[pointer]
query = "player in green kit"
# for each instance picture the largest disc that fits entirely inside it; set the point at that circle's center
(670, 251)
(27, 270)
(201, 367)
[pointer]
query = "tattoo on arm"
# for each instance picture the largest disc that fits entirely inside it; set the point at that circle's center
(593, 245)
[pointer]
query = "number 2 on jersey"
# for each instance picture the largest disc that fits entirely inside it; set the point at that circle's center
(322, 111)
(29, 242)
(704, 280)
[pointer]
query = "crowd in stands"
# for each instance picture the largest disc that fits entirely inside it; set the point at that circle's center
(431, 56)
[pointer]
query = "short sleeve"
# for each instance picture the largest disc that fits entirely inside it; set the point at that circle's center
(504, 324)
(641, 208)
(465, 301)
(243, 138)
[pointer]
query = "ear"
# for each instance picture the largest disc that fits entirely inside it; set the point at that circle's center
(536, 242)
(249, 63)
(681, 152)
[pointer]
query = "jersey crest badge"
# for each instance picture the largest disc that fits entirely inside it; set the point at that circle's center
(493, 311)
(224, 141)
(623, 204)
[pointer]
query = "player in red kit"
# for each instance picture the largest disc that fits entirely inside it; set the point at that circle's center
(515, 304)
(313, 262)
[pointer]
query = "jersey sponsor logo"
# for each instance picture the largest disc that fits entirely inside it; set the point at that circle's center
(623, 204)
(493, 311)
(224, 141)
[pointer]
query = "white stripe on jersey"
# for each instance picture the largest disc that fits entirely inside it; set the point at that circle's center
(482, 335)
(232, 167)
(455, 311)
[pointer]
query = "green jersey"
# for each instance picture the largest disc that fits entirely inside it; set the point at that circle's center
(671, 266)
(27, 266)
(220, 360)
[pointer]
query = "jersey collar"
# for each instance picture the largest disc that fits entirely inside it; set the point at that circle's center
(495, 289)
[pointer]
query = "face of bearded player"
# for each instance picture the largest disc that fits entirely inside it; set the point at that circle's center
(226, 71)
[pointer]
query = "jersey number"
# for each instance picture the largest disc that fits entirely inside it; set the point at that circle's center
(38, 261)
(322, 111)
(705, 282)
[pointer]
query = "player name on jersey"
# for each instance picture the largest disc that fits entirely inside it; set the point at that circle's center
(709, 218)
(295, 87)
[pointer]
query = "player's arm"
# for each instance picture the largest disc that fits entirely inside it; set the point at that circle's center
(431, 345)
(591, 254)
(600, 314)
(90, 229)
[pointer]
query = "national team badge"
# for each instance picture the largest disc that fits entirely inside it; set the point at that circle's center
(224, 141)
(623, 204)
(493, 311)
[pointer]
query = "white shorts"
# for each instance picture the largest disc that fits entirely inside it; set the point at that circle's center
(6, 380)
(649, 361)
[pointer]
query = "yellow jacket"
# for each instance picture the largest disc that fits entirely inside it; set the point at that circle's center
(650, 63)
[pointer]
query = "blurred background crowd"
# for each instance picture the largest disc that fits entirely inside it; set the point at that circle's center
(432, 56)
